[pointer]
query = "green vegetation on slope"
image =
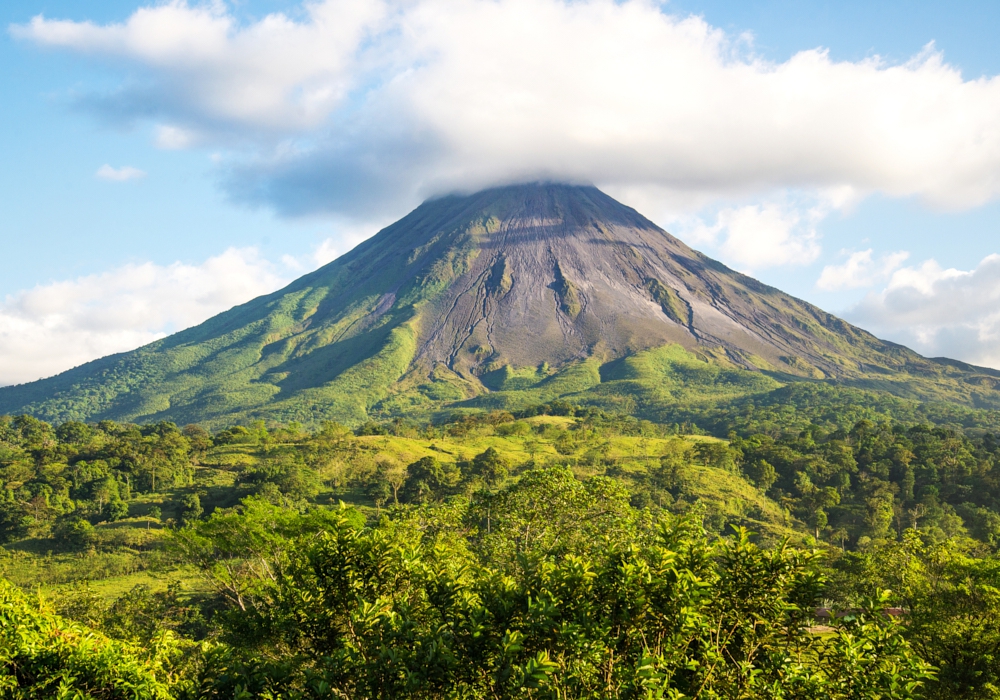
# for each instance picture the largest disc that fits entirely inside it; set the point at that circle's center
(328, 347)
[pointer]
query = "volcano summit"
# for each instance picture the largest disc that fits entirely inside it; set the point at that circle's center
(509, 296)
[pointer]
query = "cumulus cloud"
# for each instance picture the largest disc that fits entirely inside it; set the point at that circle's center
(172, 138)
(761, 235)
(275, 74)
(860, 270)
(356, 106)
(332, 248)
(56, 326)
(122, 174)
(939, 312)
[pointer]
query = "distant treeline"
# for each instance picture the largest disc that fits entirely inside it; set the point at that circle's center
(868, 482)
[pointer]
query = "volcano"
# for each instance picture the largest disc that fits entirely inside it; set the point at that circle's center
(513, 294)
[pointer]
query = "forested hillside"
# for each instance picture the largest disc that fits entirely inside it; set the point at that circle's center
(559, 551)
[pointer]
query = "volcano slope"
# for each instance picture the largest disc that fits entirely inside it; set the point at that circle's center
(507, 297)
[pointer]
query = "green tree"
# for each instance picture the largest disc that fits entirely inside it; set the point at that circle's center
(490, 466)
(241, 551)
(103, 491)
(762, 474)
(286, 471)
(199, 439)
(380, 491)
(75, 534)
(677, 454)
(718, 455)
(190, 509)
(141, 616)
(549, 512)
(15, 519)
(154, 513)
(115, 509)
(428, 479)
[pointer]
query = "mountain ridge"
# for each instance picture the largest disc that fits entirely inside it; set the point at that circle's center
(520, 285)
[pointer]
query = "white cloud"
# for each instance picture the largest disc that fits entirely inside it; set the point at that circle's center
(122, 174)
(329, 250)
(755, 236)
(348, 235)
(172, 138)
(860, 270)
(939, 312)
(56, 326)
(363, 104)
(273, 74)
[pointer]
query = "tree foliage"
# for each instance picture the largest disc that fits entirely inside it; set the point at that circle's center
(43, 656)
(447, 602)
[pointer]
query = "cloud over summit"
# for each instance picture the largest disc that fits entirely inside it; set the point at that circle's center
(356, 106)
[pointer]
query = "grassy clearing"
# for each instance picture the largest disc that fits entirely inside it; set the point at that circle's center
(341, 467)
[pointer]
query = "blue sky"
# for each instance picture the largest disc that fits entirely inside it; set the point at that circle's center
(60, 220)
(241, 190)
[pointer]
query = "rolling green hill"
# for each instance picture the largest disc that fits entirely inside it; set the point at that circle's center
(505, 298)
